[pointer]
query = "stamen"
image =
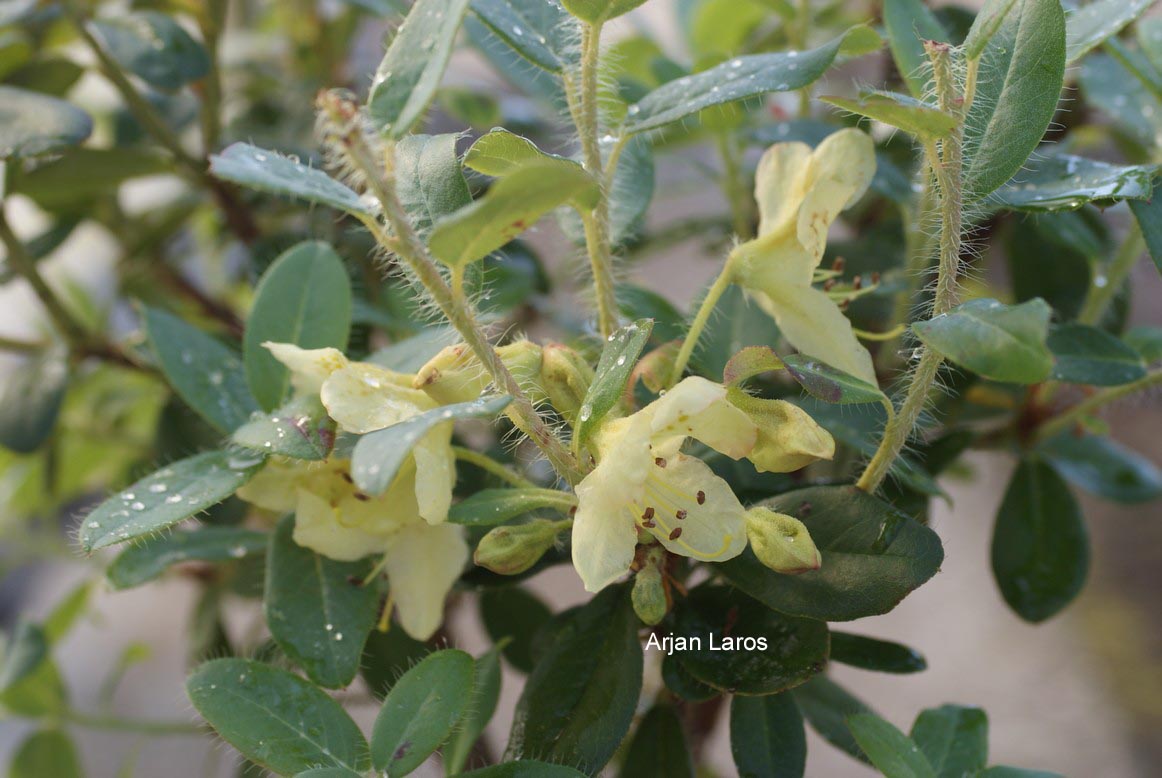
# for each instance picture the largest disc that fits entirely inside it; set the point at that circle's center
(701, 497)
(677, 533)
(660, 462)
(649, 512)
(680, 515)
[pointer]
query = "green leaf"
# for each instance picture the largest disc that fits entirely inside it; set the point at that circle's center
(579, 701)
(303, 298)
(537, 31)
(873, 556)
(1104, 467)
(830, 384)
(826, 705)
(153, 47)
(767, 737)
(795, 649)
(889, 749)
(269, 171)
(598, 11)
(953, 738)
(872, 654)
(680, 682)
(429, 180)
(912, 115)
(658, 749)
(317, 609)
(204, 372)
(46, 753)
(327, 772)
(275, 718)
(743, 77)
(1089, 26)
(301, 429)
(618, 357)
(490, 507)
(499, 152)
(1133, 106)
(987, 23)
(750, 362)
(669, 322)
(1148, 214)
(735, 324)
(70, 181)
(142, 563)
(1001, 342)
(379, 455)
(1088, 355)
(387, 656)
(413, 67)
(1066, 182)
(1040, 550)
(420, 711)
(24, 652)
(65, 613)
(1001, 771)
(172, 494)
(1021, 73)
(525, 768)
(1147, 341)
(32, 124)
(512, 205)
(909, 23)
(513, 615)
(30, 400)
(477, 713)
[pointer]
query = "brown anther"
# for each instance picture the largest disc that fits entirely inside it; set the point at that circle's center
(680, 515)
(701, 497)
(649, 524)
(659, 462)
(829, 284)
(572, 510)
(838, 264)
(361, 497)
(857, 282)
(677, 533)
(649, 513)
(875, 277)
(346, 478)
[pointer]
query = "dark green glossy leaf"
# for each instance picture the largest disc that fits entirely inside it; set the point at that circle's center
(420, 711)
(327, 772)
(1088, 26)
(1001, 342)
(1088, 355)
(429, 180)
(275, 718)
(617, 361)
(379, 455)
(387, 656)
(669, 322)
(301, 429)
(1066, 182)
(513, 614)
(953, 738)
(890, 750)
(680, 682)
(490, 507)
(142, 563)
(24, 652)
(47, 753)
(536, 30)
(1040, 550)
(31, 400)
(826, 705)
(1148, 214)
(658, 748)
(741, 78)
(912, 115)
(316, 608)
(1104, 467)
(269, 171)
(795, 650)
(1001, 771)
(304, 298)
(477, 714)
(830, 384)
(525, 768)
(873, 556)
(735, 324)
(767, 737)
(172, 494)
(1147, 341)
(579, 701)
(204, 372)
(153, 47)
(32, 123)
(872, 654)
(411, 71)
(909, 23)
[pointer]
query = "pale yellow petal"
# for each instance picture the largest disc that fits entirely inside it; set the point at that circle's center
(422, 563)
(318, 528)
(698, 408)
(273, 487)
(435, 473)
(779, 185)
(789, 439)
(363, 398)
(693, 512)
(604, 535)
(309, 368)
(840, 171)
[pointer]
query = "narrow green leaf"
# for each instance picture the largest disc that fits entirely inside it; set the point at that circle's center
(890, 750)
(512, 616)
(617, 361)
(954, 739)
(912, 115)
(31, 400)
(301, 429)
(1103, 467)
(750, 362)
(597, 11)
(317, 609)
(767, 737)
(658, 748)
(988, 21)
(1040, 550)
(67, 612)
(830, 384)
(379, 455)
(826, 705)
(1066, 182)
(873, 556)
(32, 124)
(420, 711)
(46, 753)
(872, 654)
(744, 77)
(490, 507)
(275, 718)
(429, 180)
(269, 171)
(525, 768)
(172, 494)
(303, 298)
(579, 701)
(142, 563)
(204, 372)
(24, 652)
(1021, 74)
(909, 23)
(413, 67)
(1148, 214)
(1088, 355)
(536, 30)
(1089, 26)
(153, 47)
(477, 713)
(1001, 342)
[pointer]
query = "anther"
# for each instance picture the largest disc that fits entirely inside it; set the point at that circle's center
(660, 462)
(680, 515)
(649, 513)
(857, 282)
(701, 497)
(677, 533)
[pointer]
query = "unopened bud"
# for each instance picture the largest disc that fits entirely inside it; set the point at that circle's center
(650, 601)
(781, 542)
(788, 438)
(566, 377)
(513, 549)
(455, 374)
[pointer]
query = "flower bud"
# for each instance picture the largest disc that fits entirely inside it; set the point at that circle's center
(650, 600)
(788, 438)
(781, 542)
(513, 549)
(455, 375)
(566, 377)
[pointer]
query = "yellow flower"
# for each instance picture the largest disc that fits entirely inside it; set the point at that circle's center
(642, 481)
(800, 193)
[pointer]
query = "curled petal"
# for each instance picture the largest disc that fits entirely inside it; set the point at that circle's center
(422, 564)
(789, 439)
(363, 398)
(699, 409)
(309, 368)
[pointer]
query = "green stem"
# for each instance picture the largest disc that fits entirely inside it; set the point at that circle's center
(801, 32)
(21, 346)
(1065, 421)
(211, 19)
(1105, 286)
(713, 295)
(144, 727)
(735, 188)
(490, 465)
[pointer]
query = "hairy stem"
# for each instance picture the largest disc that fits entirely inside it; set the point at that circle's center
(713, 295)
(490, 465)
(1104, 286)
(1065, 421)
